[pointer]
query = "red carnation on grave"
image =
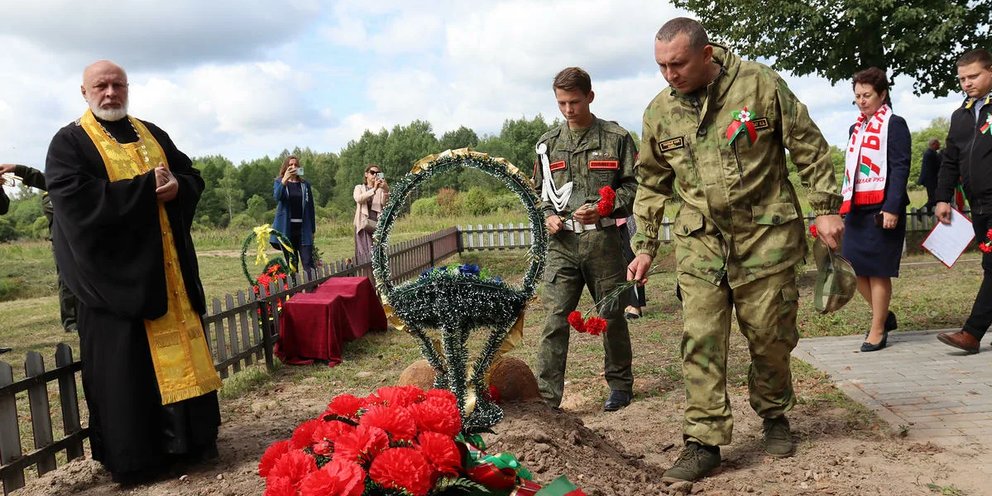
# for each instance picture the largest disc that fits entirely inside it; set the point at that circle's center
(330, 431)
(403, 468)
(395, 420)
(294, 465)
(441, 451)
(337, 478)
(494, 395)
(606, 199)
(361, 445)
(437, 415)
(271, 455)
(345, 405)
(443, 394)
(279, 486)
(576, 321)
(399, 395)
(303, 435)
(596, 326)
(264, 280)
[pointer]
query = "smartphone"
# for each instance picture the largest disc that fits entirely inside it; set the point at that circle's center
(380, 176)
(299, 171)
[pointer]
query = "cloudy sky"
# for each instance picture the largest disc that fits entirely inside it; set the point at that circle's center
(248, 78)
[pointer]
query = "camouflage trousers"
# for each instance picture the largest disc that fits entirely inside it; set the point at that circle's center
(766, 313)
(589, 259)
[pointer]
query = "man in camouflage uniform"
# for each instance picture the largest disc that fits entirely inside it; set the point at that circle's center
(739, 233)
(584, 250)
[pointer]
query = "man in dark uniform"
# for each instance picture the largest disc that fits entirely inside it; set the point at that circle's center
(929, 167)
(35, 179)
(124, 199)
(968, 155)
(575, 161)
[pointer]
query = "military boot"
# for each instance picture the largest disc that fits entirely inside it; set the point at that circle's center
(694, 463)
(778, 437)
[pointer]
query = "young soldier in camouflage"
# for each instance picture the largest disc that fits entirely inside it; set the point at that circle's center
(717, 138)
(587, 153)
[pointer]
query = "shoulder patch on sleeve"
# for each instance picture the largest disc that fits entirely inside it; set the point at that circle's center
(672, 144)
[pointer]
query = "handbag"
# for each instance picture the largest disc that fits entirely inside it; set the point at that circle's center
(370, 225)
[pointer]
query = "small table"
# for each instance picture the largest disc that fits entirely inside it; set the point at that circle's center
(314, 326)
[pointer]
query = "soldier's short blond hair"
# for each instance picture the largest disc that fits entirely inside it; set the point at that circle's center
(684, 25)
(572, 78)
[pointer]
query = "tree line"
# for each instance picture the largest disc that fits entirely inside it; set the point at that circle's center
(241, 196)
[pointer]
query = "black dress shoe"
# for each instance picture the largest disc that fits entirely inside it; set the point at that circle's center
(891, 323)
(617, 400)
(868, 347)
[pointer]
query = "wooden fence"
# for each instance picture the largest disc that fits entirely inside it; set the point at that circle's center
(241, 331)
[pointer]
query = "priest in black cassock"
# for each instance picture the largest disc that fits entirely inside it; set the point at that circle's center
(124, 199)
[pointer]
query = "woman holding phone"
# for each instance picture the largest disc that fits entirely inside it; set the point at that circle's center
(294, 210)
(370, 197)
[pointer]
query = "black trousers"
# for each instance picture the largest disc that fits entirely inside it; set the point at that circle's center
(981, 311)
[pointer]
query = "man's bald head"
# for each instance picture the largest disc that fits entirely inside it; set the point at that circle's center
(105, 90)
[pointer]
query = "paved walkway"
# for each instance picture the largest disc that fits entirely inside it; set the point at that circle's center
(917, 384)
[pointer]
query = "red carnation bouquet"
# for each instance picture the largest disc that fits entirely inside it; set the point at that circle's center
(986, 246)
(607, 197)
(596, 325)
(400, 440)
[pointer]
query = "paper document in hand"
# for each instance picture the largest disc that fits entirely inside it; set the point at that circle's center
(948, 241)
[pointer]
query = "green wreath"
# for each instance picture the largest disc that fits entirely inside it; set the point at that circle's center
(260, 235)
(456, 302)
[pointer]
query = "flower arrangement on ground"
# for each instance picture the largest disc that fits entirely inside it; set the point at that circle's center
(456, 300)
(400, 441)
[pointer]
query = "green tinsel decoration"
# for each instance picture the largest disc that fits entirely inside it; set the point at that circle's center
(457, 302)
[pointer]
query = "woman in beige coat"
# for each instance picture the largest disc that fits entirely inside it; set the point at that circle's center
(370, 196)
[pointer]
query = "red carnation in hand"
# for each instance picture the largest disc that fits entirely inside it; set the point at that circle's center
(294, 465)
(437, 415)
(303, 435)
(441, 451)
(596, 326)
(272, 453)
(337, 478)
(399, 395)
(985, 247)
(606, 199)
(576, 321)
(404, 469)
(361, 445)
(345, 405)
(812, 231)
(279, 486)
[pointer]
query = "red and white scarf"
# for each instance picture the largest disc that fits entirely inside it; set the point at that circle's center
(865, 161)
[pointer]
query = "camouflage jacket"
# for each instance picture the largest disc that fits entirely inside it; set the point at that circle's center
(603, 156)
(740, 216)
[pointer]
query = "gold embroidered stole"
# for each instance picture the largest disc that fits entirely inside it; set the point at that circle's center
(183, 365)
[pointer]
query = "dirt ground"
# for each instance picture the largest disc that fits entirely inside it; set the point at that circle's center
(620, 453)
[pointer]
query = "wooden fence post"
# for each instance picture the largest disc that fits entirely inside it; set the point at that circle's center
(69, 400)
(10, 434)
(41, 412)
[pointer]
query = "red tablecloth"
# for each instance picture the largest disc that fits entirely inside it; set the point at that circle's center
(314, 326)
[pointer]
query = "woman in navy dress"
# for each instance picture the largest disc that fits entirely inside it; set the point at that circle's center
(875, 200)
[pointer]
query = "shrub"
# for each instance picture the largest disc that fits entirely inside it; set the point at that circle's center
(475, 203)
(449, 201)
(425, 207)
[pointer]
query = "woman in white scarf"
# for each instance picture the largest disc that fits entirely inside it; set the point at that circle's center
(875, 199)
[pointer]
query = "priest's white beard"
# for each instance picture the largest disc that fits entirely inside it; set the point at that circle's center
(114, 114)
